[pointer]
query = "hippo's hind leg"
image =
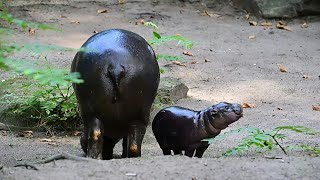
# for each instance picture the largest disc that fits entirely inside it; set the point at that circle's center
(86, 116)
(201, 150)
(134, 140)
(95, 139)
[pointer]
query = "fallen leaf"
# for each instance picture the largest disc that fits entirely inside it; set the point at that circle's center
(187, 53)
(206, 60)
(316, 107)
(248, 105)
(120, 1)
(62, 16)
(100, 11)
(52, 144)
(77, 133)
(306, 76)
(25, 133)
(266, 24)
(32, 31)
(178, 63)
(193, 62)
(304, 25)
(74, 22)
(283, 69)
(282, 23)
(252, 37)
(140, 21)
(313, 155)
(45, 140)
(282, 26)
(253, 23)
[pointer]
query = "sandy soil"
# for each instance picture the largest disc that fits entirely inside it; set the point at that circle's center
(240, 70)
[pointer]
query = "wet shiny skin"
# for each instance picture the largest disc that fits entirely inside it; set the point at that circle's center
(121, 77)
(181, 129)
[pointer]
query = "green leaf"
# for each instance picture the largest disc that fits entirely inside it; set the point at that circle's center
(151, 24)
(156, 35)
(164, 39)
(298, 129)
(162, 70)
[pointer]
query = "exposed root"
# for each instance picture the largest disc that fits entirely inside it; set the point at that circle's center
(53, 158)
(28, 166)
(62, 156)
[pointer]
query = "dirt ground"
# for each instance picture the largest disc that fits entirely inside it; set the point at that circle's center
(240, 70)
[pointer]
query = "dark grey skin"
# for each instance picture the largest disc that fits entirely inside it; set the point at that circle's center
(121, 77)
(181, 129)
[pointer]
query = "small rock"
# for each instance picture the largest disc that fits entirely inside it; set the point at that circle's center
(171, 89)
(306, 77)
(304, 25)
(131, 174)
(252, 37)
(3, 127)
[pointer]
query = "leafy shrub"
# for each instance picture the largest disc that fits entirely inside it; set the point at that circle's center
(159, 40)
(270, 140)
(46, 97)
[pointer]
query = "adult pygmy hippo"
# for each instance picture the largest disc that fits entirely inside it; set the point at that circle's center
(178, 128)
(121, 77)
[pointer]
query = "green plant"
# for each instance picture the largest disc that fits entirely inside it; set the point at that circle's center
(46, 97)
(51, 104)
(270, 140)
(159, 40)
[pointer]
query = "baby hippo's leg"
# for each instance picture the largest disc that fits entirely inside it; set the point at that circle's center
(176, 152)
(189, 152)
(200, 151)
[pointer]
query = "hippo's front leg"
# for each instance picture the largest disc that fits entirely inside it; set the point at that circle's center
(95, 139)
(134, 140)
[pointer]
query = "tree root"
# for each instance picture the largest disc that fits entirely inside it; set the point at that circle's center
(53, 158)
(28, 166)
(62, 156)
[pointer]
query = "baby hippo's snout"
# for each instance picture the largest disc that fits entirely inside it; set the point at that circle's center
(237, 108)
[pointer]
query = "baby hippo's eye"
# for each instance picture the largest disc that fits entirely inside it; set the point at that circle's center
(214, 112)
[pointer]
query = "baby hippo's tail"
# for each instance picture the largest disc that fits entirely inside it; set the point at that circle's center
(115, 74)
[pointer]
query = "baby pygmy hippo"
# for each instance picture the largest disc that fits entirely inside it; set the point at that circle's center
(181, 129)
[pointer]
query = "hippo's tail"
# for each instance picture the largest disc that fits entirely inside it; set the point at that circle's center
(115, 74)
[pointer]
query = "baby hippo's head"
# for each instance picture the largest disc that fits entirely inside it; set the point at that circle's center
(224, 114)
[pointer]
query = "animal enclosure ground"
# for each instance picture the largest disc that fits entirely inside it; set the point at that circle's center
(238, 69)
